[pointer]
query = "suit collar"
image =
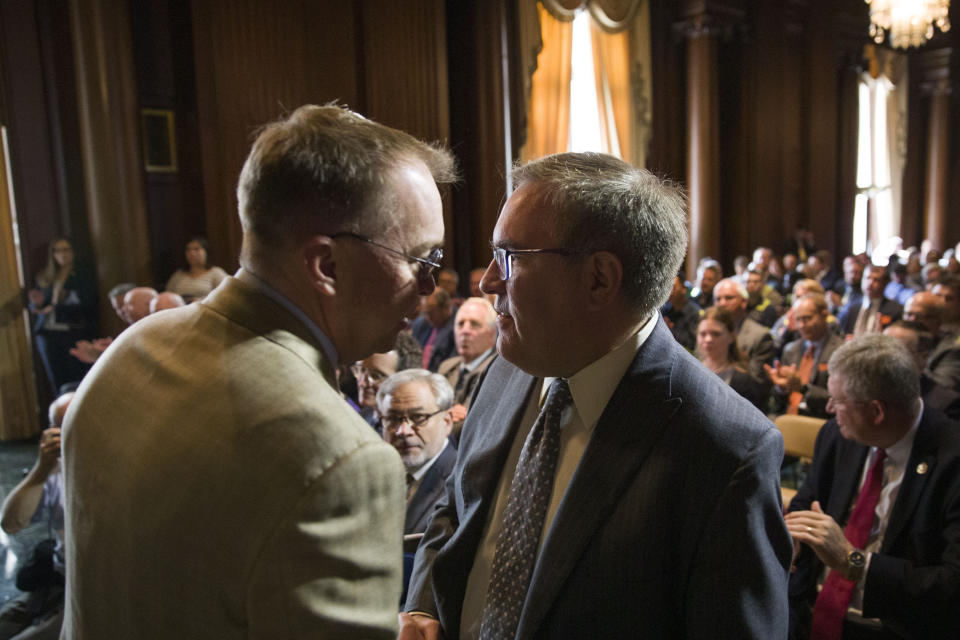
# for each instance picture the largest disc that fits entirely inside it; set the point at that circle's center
(636, 415)
(920, 467)
(248, 306)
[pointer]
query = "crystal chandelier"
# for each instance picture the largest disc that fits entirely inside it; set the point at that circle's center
(909, 22)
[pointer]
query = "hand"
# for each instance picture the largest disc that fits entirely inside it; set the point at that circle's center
(419, 627)
(49, 448)
(821, 533)
(458, 413)
(784, 376)
(86, 351)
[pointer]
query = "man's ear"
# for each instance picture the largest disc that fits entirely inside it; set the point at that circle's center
(604, 273)
(879, 409)
(319, 264)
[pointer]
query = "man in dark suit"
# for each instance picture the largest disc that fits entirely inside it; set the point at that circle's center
(434, 329)
(587, 518)
(880, 507)
(874, 312)
(414, 406)
(943, 364)
(800, 378)
(920, 342)
(753, 338)
(475, 334)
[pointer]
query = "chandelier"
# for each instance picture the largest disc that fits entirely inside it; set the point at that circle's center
(909, 22)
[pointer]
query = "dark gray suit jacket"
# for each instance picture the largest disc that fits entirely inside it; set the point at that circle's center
(671, 525)
(429, 491)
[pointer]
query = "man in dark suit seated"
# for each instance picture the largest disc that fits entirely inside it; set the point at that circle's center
(414, 406)
(877, 521)
(434, 329)
(584, 516)
(920, 342)
(475, 334)
(800, 378)
(874, 312)
(943, 364)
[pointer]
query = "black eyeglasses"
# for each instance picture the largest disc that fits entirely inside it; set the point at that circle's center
(427, 266)
(502, 257)
(392, 421)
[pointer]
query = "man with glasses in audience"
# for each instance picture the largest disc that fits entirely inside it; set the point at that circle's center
(215, 476)
(414, 407)
(606, 484)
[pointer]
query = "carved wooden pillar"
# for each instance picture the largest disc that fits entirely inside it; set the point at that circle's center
(702, 24)
(935, 83)
(109, 124)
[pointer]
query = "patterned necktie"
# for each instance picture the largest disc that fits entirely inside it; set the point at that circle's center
(803, 372)
(523, 518)
(834, 599)
(865, 321)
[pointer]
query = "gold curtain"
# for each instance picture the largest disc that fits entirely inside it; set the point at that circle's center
(620, 33)
(18, 403)
(548, 120)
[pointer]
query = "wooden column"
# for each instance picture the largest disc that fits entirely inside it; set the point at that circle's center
(110, 140)
(938, 147)
(703, 148)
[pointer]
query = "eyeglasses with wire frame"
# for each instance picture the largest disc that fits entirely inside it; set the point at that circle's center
(502, 257)
(427, 267)
(392, 421)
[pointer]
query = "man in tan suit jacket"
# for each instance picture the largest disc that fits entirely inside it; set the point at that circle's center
(217, 485)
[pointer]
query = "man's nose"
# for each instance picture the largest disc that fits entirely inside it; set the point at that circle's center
(491, 283)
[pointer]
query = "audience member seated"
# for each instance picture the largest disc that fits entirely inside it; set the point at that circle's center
(415, 409)
(931, 275)
(820, 268)
(116, 296)
(762, 301)
(920, 342)
(851, 293)
(785, 329)
(476, 275)
(708, 274)
(874, 312)
(434, 329)
(791, 275)
(717, 350)
(753, 338)
(948, 290)
(740, 264)
(374, 369)
(475, 334)
(800, 377)
(65, 305)
(877, 521)
(449, 280)
(682, 314)
(136, 303)
(897, 289)
(198, 277)
(166, 300)
(943, 365)
(38, 613)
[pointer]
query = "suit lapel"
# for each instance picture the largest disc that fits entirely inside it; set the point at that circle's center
(849, 468)
(923, 456)
(616, 450)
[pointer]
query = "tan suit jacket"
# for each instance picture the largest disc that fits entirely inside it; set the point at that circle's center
(217, 486)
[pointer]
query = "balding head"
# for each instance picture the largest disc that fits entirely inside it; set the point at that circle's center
(58, 409)
(136, 303)
(166, 300)
(925, 308)
(730, 294)
(475, 328)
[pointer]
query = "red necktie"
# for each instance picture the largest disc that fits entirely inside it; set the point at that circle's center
(428, 348)
(834, 599)
(803, 372)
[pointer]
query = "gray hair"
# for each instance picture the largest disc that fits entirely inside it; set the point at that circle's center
(877, 367)
(489, 311)
(441, 389)
(605, 204)
(120, 290)
(323, 170)
(818, 299)
(738, 287)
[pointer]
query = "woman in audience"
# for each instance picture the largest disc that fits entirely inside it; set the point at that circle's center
(198, 278)
(65, 305)
(717, 350)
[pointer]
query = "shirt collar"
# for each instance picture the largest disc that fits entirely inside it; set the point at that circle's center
(592, 386)
(899, 452)
(422, 471)
(473, 364)
(329, 350)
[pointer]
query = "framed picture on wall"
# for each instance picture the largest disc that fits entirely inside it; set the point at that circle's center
(159, 140)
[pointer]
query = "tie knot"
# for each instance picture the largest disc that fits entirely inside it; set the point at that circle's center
(558, 396)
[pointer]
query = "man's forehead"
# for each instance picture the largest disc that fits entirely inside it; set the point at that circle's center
(525, 219)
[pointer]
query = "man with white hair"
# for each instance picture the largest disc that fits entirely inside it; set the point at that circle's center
(876, 524)
(166, 300)
(753, 338)
(475, 333)
(136, 303)
(414, 407)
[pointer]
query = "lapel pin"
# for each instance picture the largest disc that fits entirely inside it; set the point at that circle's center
(922, 468)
